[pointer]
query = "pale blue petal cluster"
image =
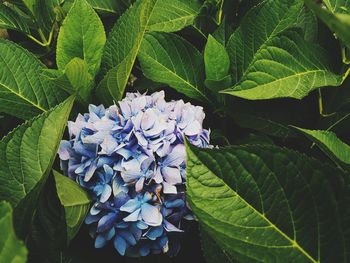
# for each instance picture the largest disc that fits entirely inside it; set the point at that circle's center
(131, 158)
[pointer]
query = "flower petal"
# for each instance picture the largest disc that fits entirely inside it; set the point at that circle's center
(106, 222)
(120, 245)
(128, 236)
(151, 215)
(130, 206)
(139, 184)
(169, 227)
(172, 175)
(154, 232)
(169, 189)
(100, 241)
(133, 217)
(107, 191)
(64, 150)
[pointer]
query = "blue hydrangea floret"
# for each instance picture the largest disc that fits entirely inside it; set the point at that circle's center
(131, 158)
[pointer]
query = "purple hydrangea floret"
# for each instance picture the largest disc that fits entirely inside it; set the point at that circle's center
(131, 158)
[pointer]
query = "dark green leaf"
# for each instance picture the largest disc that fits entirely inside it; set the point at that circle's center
(22, 93)
(338, 6)
(269, 60)
(121, 50)
(75, 79)
(75, 201)
(173, 15)
(9, 19)
(47, 240)
(268, 204)
(168, 58)
(26, 157)
(12, 250)
(285, 66)
(339, 23)
(43, 12)
(261, 24)
(216, 60)
(108, 6)
(307, 21)
(81, 35)
(329, 143)
(212, 252)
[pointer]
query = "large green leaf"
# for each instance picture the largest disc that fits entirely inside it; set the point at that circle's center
(212, 252)
(26, 157)
(22, 93)
(268, 60)
(12, 250)
(75, 201)
(259, 26)
(210, 15)
(108, 6)
(307, 21)
(121, 50)
(47, 240)
(42, 12)
(9, 19)
(217, 62)
(75, 79)
(286, 66)
(337, 18)
(173, 15)
(81, 35)
(330, 144)
(217, 65)
(338, 6)
(268, 204)
(168, 58)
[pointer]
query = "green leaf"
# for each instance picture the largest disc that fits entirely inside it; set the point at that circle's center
(9, 19)
(286, 66)
(223, 32)
(173, 15)
(216, 60)
(307, 21)
(261, 24)
(218, 85)
(107, 6)
(22, 92)
(328, 142)
(338, 6)
(339, 23)
(262, 122)
(12, 250)
(269, 60)
(75, 79)
(43, 12)
(268, 204)
(121, 50)
(26, 157)
(48, 239)
(210, 16)
(212, 252)
(75, 201)
(168, 58)
(81, 35)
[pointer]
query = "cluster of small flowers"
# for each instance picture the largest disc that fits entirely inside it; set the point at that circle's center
(131, 158)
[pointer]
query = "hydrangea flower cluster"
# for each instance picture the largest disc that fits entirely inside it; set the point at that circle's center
(131, 158)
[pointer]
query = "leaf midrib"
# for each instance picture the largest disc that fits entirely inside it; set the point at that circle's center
(277, 80)
(262, 44)
(172, 20)
(293, 242)
(177, 76)
(24, 98)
